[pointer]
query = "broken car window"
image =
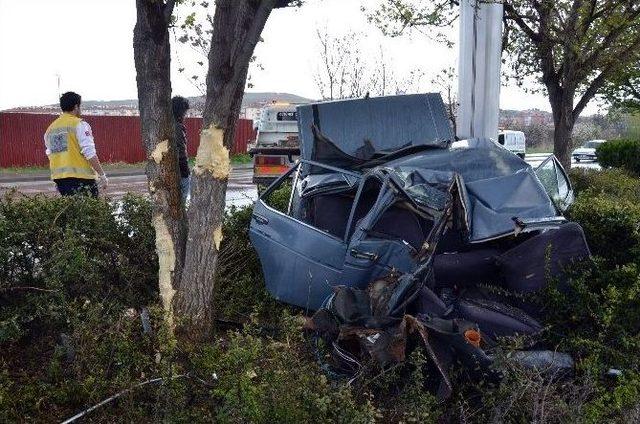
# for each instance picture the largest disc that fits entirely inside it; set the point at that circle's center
(323, 201)
(555, 182)
(429, 196)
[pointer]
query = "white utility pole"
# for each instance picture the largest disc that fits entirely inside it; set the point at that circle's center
(479, 68)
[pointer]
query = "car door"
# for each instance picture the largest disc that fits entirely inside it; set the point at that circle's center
(556, 182)
(371, 253)
(300, 263)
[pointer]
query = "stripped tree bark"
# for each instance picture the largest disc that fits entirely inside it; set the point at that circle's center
(237, 25)
(152, 54)
(187, 245)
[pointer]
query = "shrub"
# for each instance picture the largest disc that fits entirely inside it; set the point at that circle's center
(596, 319)
(87, 262)
(611, 225)
(240, 289)
(56, 250)
(597, 316)
(612, 183)
(524, 396)
(274, 380)
(279, 198)
(242, 377)
(621, 154)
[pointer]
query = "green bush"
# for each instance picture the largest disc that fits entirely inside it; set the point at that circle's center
(241, 377)
(612, 183)
(611, 225)
(56, 250)
(266, 380)
(240, 290)
(80, 269)
(597, 316)
(621, 154)
(279, 198)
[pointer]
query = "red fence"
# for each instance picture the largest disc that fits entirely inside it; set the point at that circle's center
(118, 138)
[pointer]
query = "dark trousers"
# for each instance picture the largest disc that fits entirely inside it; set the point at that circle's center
(71, 186)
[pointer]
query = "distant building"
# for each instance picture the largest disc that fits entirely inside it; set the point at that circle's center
(252, 103)
(524, 118)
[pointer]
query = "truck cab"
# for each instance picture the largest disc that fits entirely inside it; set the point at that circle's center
(276, 147)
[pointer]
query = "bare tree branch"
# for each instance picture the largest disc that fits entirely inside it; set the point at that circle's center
(6, 289)
(512, 14)
(601, 79)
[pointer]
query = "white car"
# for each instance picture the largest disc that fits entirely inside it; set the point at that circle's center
(587, 151)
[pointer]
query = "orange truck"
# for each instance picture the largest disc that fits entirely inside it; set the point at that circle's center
(277, 146)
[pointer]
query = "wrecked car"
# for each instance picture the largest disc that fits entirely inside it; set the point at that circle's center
(395, 227)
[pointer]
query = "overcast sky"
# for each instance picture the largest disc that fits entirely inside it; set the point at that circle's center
(89, 44)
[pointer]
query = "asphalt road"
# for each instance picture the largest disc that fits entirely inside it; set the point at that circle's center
(241, 190)
(535, 159)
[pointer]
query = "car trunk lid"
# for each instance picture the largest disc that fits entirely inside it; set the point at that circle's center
(348, 133)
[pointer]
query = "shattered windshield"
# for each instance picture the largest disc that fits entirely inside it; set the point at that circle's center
(431, 197)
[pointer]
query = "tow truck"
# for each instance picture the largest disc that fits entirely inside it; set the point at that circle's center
(277, 146)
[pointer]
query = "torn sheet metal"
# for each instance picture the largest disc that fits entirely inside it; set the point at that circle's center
(389, 209)
(498, 185)
(394, 232)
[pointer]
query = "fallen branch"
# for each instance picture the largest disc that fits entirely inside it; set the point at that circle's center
(117, 395)
(5, 289)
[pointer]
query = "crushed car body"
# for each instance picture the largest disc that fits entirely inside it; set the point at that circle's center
(394, 226)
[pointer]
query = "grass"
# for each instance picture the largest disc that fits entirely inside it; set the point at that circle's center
(237, 159)
(540, 149)
(23, 170)
(241, 159)
(38, 169)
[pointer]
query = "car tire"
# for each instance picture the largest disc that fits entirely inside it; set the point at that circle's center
(521, 155)
(578, 160)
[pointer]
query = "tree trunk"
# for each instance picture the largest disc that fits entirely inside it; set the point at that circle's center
(237, 27)
(563, 130)
(152, 56)
(563, 122)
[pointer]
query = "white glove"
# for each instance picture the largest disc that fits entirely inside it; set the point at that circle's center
(103, 181)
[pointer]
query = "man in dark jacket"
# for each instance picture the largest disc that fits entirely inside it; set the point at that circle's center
(180, 106)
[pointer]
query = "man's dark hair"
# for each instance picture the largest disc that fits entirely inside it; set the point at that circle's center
(69, 100)
(180, 106)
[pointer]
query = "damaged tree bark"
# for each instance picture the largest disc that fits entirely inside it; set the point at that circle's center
(237, 26)
(187, 245)
(152, 56)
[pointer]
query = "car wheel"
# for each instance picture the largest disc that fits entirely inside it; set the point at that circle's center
(578, 160)
(521, 155)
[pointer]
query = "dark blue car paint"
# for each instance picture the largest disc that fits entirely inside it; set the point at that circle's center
(388, 123)
(302, 264)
